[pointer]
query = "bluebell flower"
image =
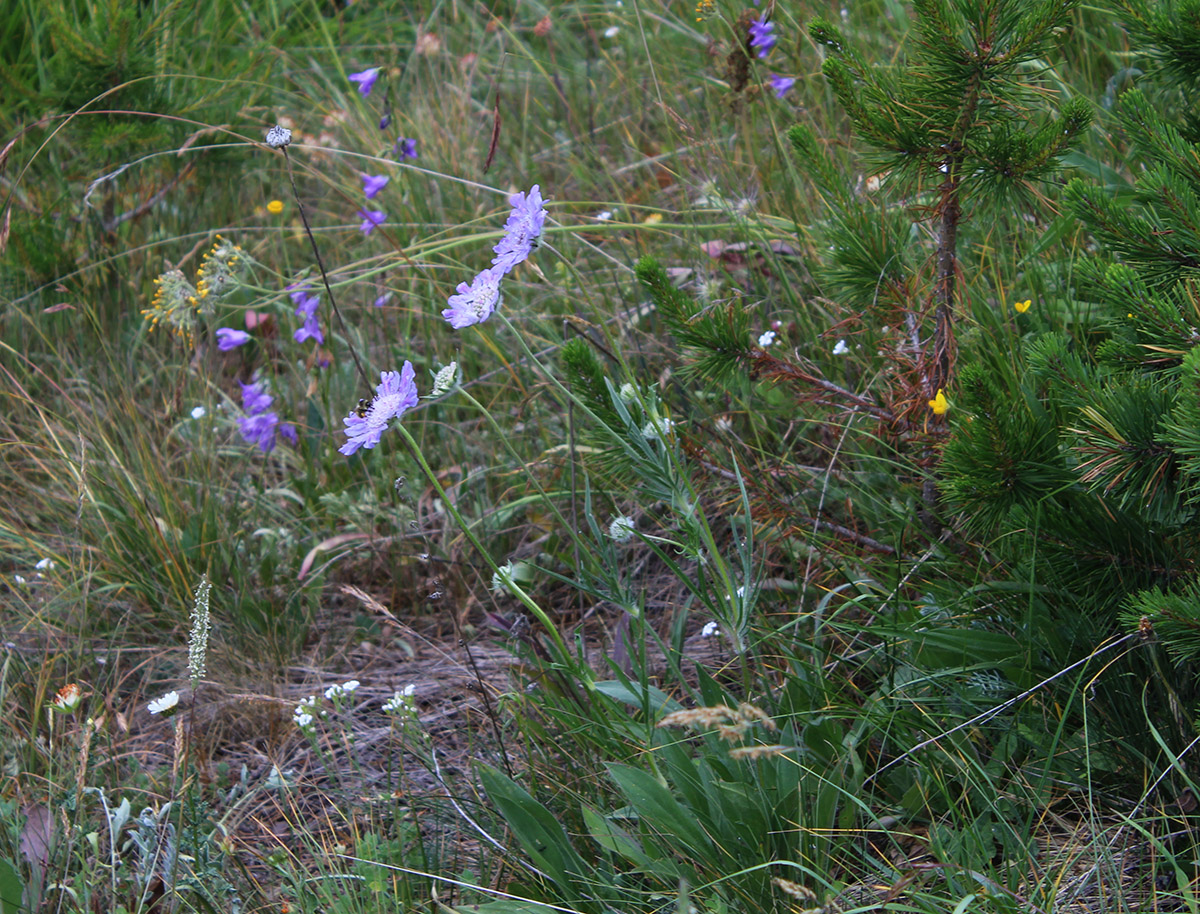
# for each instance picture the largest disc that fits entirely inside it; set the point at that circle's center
(405, 148)
(366, 80)
(475, 303)
(310, 331)
(781, 84)
(373, 184)
(228, 339)
(521, 231)
(761, 37)
(261, 424)
(396, 393)
(306, 305)
(371, 218)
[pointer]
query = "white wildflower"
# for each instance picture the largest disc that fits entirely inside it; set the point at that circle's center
(166, 705)
(502, 577)
(840, 348)
(604, 215)
(628, 393)
(710, 629)
(766, 339)
(44, 564)
(199, 412)
(611, 31)
(278, 137)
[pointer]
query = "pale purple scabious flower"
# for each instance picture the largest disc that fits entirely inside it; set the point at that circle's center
(228, 339)
(405, 148)
(371, 218)
(397, 392)
(521, 231)
(261, 424)
(310, 331)
(761, 38)
(366, 80)
(373, 184)
(475, 303)
(781, 84)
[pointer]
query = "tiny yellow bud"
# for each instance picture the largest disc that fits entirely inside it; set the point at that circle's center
(275, 207)
(938, 404)
(1023, 306)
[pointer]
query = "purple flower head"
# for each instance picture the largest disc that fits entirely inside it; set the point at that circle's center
(781, 84)
(260, 430)
(405, 148)
(521, 231)
(297, 291)
(310, 331)
(383, 299)
(255, 399)
(373, 184)
(385, 120)
(366, 80)
(397, 392)
(371, 218)
(761, 38)
(261, 424)
(306, 305)
(475, 303)
(228, 339)
(288, 431)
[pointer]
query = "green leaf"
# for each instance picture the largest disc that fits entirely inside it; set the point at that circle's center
(538, 832)
(11, 888)
(659, 810)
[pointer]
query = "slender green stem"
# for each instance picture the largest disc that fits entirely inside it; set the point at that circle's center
(514, 588)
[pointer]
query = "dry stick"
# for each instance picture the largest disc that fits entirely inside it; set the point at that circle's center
(487, 704)
(321, 266)
(1003, 706)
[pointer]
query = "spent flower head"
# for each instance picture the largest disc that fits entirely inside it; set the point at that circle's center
(622, 528)
(445, 380)
(396, 393)
(67, 699)
(278, 137)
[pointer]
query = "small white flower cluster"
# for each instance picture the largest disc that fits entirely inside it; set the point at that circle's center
(337, 692)
(711, 629)
(306, 713)
(403, 703)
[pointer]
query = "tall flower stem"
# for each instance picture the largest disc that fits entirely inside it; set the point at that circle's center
(526, 600)
(321, 266)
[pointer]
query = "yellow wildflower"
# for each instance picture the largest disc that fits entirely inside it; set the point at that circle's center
(938, 404)
(275, 207)
(1023, 306)
(705, 9)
